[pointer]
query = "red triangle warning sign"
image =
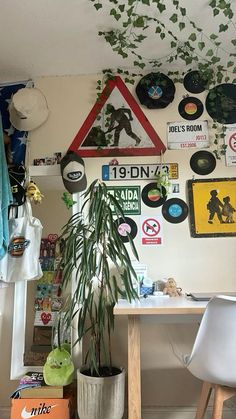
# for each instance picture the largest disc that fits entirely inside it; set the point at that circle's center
(116, 126)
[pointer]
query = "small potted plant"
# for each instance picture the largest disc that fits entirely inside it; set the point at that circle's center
(96, 258)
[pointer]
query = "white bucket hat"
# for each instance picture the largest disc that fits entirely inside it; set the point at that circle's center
(28, 109)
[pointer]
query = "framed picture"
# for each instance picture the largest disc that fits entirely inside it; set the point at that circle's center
(212, 207)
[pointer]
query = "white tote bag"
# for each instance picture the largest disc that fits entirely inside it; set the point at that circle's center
(25, 234)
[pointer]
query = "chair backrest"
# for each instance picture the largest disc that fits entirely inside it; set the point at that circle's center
(213, 356)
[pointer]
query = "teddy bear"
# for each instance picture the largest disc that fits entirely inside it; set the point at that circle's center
(171, 288)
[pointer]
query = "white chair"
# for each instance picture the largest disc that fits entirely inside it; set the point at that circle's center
(213, 357)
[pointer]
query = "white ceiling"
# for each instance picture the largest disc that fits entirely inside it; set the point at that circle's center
(60, 37)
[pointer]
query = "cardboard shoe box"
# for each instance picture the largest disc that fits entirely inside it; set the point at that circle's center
(42, 408)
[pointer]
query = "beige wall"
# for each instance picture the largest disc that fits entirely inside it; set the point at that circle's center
(196, 264)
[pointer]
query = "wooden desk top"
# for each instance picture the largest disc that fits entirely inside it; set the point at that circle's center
(160, 305)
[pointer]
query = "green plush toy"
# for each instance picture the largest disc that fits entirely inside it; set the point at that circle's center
(59, 368)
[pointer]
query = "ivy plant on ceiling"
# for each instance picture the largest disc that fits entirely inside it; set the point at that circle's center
(189, 46)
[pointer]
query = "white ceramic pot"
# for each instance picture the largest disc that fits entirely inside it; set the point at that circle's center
(100, 397)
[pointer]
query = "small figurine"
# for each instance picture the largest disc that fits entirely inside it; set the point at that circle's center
(68, 200)
(33, 193)
(171, 288)
(59, 368)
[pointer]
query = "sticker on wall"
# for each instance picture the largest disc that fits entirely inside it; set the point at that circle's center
(175, 210)
(126, 225)
(152, 196)
(139, 171)
(203, 162)
(194, 83)
(45, 318)
(116, 126)
(151, 230)
(175, 188)
(128, 197)
(181, 135)
(230, 142)
(190, 108)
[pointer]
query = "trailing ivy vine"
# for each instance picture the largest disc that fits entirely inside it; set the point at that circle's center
(189, 46)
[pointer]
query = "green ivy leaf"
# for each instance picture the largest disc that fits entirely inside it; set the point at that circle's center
(212, 3)
(146, 2)
(215, 60)
(121, 7)
(223, 28)
(183, 11)
(216, 12)
(130, 2)
(138, 64)
(173, 44)
(222, 4)
(213, 36)
(228, 13)
(188, 60)
(181, 26)
(162, 35)
(139, 22)
(234, 70)
(233, 41)
(174, 18)
(209, 53)
(192, 37)
(161, 7)
(201, 45)
(97, 6)
(158, 29)
(230, 63)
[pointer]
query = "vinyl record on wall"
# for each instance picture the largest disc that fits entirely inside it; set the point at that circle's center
(203, 162)
(194, 83)
(190, 108)
(221, 103)
(175, 210)
(126, 225)
(155, 90)
(152, 196)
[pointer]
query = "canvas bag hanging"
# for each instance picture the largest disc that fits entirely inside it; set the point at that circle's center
(25, 234)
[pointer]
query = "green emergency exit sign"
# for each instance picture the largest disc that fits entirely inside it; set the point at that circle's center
(128, 198)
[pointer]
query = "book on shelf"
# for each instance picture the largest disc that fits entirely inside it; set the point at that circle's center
(33, 386)
(42, 392)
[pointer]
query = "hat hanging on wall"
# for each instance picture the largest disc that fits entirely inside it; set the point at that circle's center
(190, 108)
(28, 109)
(194, 83)
(203, 162)
(155, 90)
(221, 103)
(73, 172)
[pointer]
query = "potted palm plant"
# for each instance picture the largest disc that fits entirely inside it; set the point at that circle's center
(96, 257)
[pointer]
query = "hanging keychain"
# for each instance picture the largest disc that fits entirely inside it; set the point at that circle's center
(162, 179)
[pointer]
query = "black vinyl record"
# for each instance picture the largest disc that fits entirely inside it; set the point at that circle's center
(126, 225)
(155, 90)
(190, 108)
(203, 162)
(152, 196)
(221, 103)
(175, 210)
(194, 83)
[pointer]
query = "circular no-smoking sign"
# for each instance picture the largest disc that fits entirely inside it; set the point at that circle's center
(151, 227)
(232, 142)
